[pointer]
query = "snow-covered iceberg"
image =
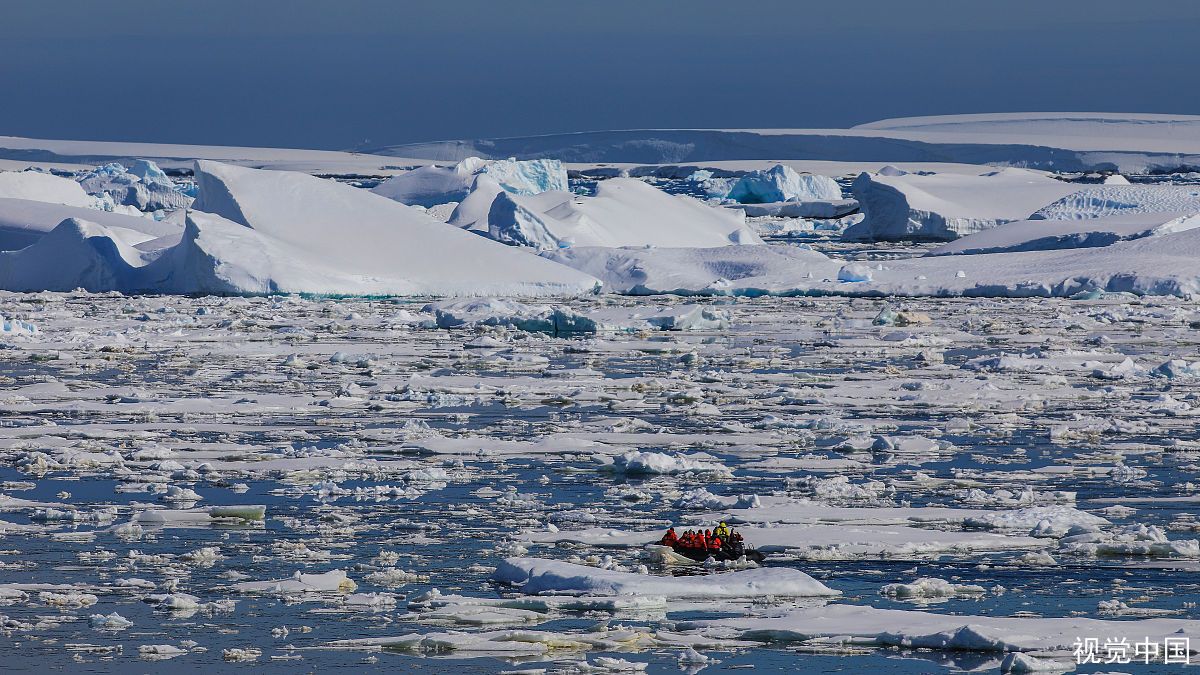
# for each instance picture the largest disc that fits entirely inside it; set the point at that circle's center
(432, 185)
(942, 207)
(624, 212)
(275, 231)
(371, 241)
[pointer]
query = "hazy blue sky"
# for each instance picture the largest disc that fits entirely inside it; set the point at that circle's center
(334, 74)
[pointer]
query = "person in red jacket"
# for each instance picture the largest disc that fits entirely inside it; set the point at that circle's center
(714, 545)
(670, 539)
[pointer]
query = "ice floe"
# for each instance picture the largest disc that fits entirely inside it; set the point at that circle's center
(534, 576)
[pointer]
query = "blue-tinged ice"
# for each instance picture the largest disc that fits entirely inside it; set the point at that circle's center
(780, 184)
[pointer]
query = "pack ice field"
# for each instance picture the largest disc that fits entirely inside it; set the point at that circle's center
(674, 401)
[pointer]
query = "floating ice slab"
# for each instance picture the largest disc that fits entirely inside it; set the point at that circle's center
(333, 581)
(534, 575)
(506, 643)
(948, 206)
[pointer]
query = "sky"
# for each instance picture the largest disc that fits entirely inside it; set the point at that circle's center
(365, 73)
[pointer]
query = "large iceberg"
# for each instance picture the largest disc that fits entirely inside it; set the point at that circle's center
(277, 231)
(942, 207)
(432, 185)
(624, 212)
(781, 183)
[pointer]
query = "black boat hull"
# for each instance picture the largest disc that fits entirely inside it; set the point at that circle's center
(720, 556)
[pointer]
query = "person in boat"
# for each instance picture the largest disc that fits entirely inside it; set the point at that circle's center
(714, 545)
(722, 531)
(670, 538)
(737, 548)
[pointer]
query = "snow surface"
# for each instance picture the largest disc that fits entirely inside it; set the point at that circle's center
(1117, 200)
(43, 187)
